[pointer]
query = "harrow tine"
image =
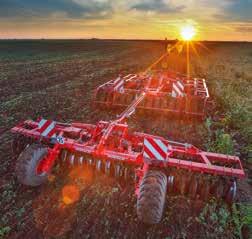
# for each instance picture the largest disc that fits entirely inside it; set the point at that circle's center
(180, 182)
(193, 187)
(108, 168)
(67, 162)
(81, 158)
(231, 192)
(170, 184)
(126, 173)
(90, 161)
(204, 190)
(71, 161)
(98, 165)
(64, 155)
(117, 170)
(176, 182)
(183, 185)
(218, 189)
(62, 159)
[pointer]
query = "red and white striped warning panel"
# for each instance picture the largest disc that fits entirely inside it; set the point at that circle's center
(177, 89)
(155, 149)
(47, 128)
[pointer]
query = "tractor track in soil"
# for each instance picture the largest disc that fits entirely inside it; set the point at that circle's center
(56, 80)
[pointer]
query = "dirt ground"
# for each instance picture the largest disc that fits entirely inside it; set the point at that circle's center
(56, 79)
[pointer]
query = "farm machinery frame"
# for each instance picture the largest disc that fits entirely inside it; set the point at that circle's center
(157, 166)
(166, 92)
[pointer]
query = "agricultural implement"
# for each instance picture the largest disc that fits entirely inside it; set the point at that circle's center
(157, 166)
(167, 92)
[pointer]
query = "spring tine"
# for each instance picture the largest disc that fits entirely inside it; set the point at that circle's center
(231, 192)
(117, 170)
(85, 160)
(72, 157)
(68, 157)
(126, 173)
(204, 190)
(234, 187)
(90, 161)
(176, 183)
(122, 169)
(171, 179)
(64, 155)
(60, 157)
(170, 183)
(98, 165)
(81, 160)
(183, 182)
(218, 191)
(193, 187)
(107, 167)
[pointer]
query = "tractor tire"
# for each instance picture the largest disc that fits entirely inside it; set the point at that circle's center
(27, 163)
(151, 198)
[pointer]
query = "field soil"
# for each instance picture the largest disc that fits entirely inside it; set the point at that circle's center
(56, 80)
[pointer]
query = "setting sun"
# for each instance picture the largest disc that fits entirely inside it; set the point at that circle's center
(187, 32)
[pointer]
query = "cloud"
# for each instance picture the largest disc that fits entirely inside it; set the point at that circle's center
(124, 18)
(240, 10)
(244, 29)
(160, 6)
(45, 8)
(233, 10)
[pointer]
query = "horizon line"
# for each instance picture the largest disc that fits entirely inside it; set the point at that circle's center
(119, 39)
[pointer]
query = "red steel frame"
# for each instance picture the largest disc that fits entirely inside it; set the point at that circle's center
(113, 141)
(158, 86)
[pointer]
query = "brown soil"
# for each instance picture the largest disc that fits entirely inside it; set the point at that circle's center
(56, 79)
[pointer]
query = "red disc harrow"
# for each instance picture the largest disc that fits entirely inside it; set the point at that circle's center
(156, 165)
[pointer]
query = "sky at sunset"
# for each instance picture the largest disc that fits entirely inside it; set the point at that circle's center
(127, 19)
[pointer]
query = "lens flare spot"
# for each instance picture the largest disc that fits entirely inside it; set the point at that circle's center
(70, 194)
(83, 175)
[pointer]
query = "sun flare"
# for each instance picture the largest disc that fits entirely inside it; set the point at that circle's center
(187, 32)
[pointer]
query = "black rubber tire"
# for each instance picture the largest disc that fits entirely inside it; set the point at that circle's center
(151, 199)
(27, 164)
